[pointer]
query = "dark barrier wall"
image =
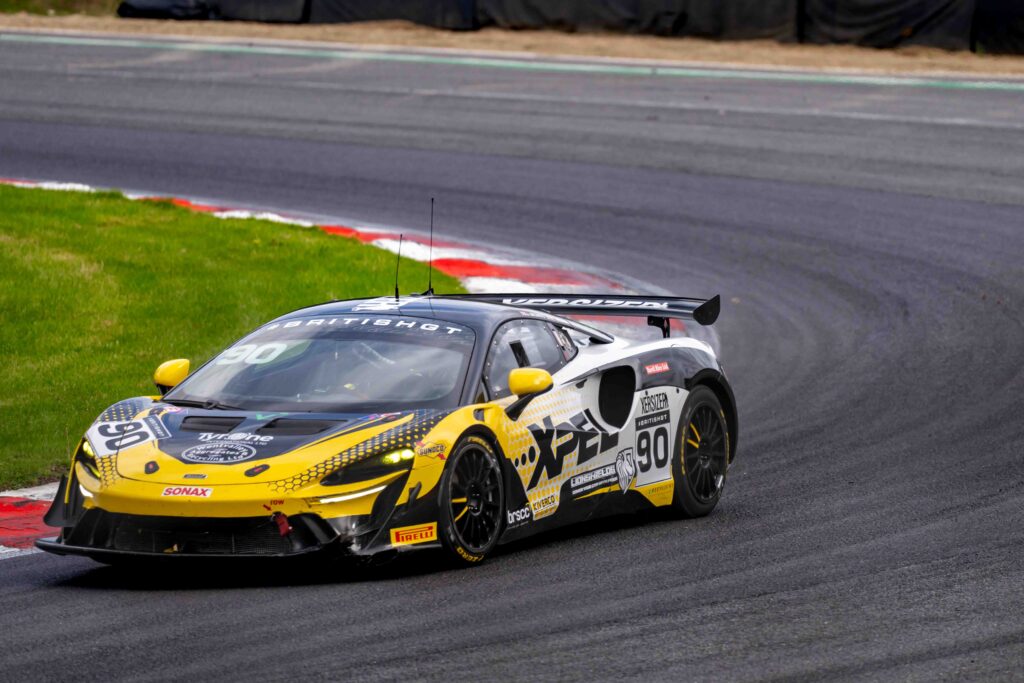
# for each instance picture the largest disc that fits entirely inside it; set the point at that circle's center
(890, 23)
(261, 10)
(998, 27)
(617, 15)
(988, 26)
(164, 9)
(451, 14)
(726, 19)
(734, 19)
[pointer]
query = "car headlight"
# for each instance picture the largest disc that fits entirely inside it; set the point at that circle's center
(371, 468)
(87, 456)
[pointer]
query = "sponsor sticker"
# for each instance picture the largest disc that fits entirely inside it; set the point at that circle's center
(545, 503)
(245, 437)
(226, 452)
(653, 403)
(108, 438)
(654, 419)
(587, 303)
(409, 535)
(592, 480)
(187, 492)
(555, 444)
(656, 368)
(195, 475)
(156, 427)
(436, 450)
(625, 468)
(519, 517)
(660, 494)
(394, 323)
(164, 408)
(378, 306)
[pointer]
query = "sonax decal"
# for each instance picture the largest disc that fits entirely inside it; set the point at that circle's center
(408, 535)
(187, 492)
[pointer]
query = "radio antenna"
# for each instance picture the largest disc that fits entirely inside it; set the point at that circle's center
(430, 256)
(398, 262)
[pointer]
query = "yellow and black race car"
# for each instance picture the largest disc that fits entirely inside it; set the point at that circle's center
(385, 425)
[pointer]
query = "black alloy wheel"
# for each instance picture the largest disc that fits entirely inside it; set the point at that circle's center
(704, 454)
(473, 500)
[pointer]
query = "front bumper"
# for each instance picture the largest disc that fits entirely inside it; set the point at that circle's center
(102, 534)
(93, 531)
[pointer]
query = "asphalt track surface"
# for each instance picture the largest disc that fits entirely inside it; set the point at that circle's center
(867, 241)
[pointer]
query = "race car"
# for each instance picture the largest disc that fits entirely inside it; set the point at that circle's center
(373, 427)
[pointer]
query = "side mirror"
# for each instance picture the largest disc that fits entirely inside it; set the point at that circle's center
(529, 381)
(526, 383)
(170, 374)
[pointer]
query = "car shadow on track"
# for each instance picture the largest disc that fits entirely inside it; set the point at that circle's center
(242, 573)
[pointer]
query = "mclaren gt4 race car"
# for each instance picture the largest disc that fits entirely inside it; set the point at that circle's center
(373, 426)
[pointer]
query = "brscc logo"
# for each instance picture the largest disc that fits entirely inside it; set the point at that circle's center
(522, 515)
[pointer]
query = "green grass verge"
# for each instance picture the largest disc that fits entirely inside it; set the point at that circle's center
(97, 290)
(97, 7)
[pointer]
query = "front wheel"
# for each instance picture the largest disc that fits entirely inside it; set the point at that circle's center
(702, 459)
(472, 501)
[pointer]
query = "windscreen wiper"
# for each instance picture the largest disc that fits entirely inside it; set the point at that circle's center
(206, 405)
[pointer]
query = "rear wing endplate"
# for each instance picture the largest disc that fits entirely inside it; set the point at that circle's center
(657, 309)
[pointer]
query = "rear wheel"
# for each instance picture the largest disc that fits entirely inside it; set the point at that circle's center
(472, 501)
(702, 460)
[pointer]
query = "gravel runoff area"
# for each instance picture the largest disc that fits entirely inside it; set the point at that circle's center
(403, 34)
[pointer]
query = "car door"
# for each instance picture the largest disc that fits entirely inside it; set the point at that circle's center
(564, 455)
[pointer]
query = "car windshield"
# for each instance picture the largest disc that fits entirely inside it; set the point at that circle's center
(337, 364)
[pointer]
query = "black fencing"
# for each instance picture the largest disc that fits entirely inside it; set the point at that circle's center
(998, 27)
(990, 26)
(713, 19)
(889, 23)
(450, 14)
(280, 11)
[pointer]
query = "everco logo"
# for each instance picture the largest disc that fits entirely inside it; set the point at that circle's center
(408, 535)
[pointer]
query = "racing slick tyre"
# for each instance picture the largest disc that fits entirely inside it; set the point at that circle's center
(702, 459)
(472, 501)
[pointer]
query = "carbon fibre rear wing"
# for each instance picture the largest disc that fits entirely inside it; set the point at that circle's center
(657, 309)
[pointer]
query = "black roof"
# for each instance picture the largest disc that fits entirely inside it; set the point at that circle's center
(480, 316)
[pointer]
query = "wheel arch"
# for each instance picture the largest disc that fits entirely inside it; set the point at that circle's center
(485, 432)
(716, 382)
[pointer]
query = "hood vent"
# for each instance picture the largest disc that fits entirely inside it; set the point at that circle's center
(284, 426)
(204, 423)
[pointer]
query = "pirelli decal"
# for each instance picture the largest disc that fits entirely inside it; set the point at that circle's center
(410, 535)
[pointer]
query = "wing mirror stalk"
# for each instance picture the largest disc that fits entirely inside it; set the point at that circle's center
(527, 384)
